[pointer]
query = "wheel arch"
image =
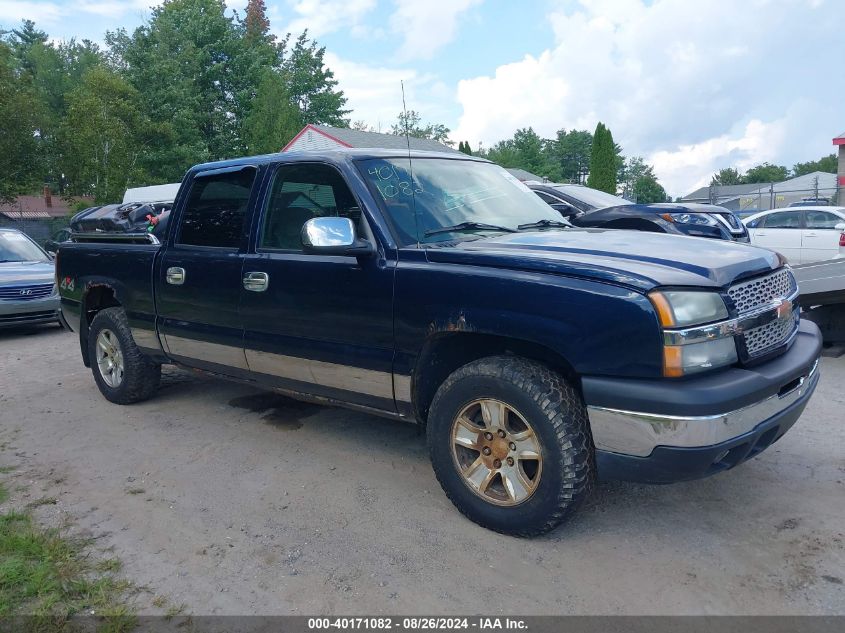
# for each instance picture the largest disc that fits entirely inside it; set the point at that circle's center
(97, 297)
(445, 352)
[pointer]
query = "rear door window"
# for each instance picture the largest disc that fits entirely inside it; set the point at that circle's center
(822, 220)
(216, 208)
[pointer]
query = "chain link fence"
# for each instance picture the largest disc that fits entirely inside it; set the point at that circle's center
(745, 200)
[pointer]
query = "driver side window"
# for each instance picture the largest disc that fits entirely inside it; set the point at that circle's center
(301, 192)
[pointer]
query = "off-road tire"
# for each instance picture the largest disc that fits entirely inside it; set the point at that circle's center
(141, 375)
(557, 414)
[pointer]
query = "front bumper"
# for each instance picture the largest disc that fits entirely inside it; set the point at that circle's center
(701, 426)
(18, 313)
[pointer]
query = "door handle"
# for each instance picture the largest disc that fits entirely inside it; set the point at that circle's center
(175, 276)
(810, 235)
(256, 281)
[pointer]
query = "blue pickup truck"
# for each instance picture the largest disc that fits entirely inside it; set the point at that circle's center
(439, 290)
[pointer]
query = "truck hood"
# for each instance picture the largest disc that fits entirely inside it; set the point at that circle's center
(632, 258)
(19, 273)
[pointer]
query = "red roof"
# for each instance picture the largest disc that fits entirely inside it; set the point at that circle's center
(36, 206)
(313, 128)
(839, 140)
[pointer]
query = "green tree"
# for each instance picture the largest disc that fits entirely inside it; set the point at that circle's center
(603, 161)
(726, 176)
(311, 84)
(464, 147)
(765, 173)
(504, 153)
(526, 150)
(532, 152)
(827, 164)
(19, 121)
(647, 190)
(411, 121)
(103, 136)
(570, 151)
(181, 64)
(635, 168)
(273, 120)
(52, 71)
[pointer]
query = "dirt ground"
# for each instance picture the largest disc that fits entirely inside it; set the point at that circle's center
(232, 501)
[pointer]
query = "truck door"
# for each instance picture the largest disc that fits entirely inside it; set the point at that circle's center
(198, 277)
(317, 324)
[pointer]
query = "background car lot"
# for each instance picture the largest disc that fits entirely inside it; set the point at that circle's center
(231, 500)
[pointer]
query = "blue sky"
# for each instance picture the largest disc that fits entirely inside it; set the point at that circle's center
(691, 85)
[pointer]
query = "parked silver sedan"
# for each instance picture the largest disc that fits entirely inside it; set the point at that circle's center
(28, 293)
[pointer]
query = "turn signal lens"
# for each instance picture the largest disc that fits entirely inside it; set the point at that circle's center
(664, 310)
(673, 359)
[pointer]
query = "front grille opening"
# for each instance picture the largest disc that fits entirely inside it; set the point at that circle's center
(767, 439)
(730, 458)
(792, 384)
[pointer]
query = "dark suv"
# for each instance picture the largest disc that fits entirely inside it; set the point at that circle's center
(588, 207)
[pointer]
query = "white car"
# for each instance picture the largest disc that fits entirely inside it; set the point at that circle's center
(801, 234)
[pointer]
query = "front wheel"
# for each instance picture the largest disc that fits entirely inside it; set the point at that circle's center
(511, 446)
(122, 372)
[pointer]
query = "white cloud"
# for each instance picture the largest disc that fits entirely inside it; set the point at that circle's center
(13, 11)
(326, 16)
(427, 25)
(681, 82)
(688, 167)
(374, 93)
(49, 13)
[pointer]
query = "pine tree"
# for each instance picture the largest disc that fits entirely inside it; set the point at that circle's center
(603, 161)
(256, 23)
(463, 147)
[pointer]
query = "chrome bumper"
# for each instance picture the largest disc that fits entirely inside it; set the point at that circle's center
(639, 433)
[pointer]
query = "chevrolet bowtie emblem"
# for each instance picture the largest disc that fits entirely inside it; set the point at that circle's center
(784, 309)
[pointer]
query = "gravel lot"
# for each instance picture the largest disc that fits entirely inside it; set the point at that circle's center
(232, 501)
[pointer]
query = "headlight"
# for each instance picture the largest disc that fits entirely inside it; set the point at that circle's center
(683, 309)
(701, 219)
(682, 360)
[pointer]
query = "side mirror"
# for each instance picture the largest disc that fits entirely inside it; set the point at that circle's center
(840, 227)
(566, 210)
(334, 236)
(52, 247)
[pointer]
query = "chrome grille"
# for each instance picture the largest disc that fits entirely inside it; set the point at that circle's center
(750, 295)
(764, 338)
(25, 293)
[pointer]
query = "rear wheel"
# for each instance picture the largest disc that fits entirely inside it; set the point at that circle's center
(122, 373)
(510, 445)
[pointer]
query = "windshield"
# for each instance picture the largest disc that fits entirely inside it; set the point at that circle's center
(445, 193)
(591, 198)
(17, 247)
